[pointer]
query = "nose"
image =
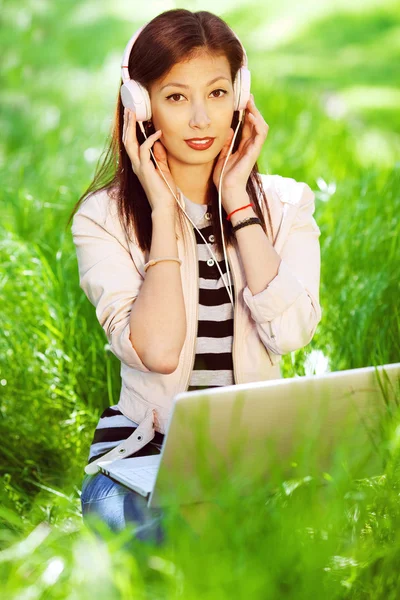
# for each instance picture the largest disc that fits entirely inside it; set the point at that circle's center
(199, 118)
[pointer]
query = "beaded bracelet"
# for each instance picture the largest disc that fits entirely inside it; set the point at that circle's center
(153, 261)
(249, 221)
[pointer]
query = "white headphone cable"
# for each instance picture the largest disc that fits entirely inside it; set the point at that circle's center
(219, 204)
(219, 195)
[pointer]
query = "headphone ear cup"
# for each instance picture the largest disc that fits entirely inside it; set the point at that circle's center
(136, 97)
(241, 88)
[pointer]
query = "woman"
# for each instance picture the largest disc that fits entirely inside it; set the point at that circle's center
(175, 324)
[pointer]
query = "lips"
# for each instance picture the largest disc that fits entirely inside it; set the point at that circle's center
(199, 145)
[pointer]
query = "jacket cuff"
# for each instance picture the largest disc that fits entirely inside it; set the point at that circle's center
(121, 347)
(279, 294)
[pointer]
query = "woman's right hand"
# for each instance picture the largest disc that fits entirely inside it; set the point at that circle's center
(158, 193)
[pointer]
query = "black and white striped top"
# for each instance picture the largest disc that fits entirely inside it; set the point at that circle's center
(213, 366)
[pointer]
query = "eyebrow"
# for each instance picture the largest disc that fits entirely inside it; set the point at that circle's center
(181, 85)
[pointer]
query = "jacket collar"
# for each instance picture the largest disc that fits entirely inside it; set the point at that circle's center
(282, 194)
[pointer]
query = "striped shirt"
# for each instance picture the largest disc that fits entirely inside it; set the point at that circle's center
(213, 366)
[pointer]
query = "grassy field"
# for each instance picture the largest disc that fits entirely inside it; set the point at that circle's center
(327, 82)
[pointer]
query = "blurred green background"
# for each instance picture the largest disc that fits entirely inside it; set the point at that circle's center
(326, 78)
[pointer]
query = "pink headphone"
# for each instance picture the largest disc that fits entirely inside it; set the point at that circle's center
(135, 96)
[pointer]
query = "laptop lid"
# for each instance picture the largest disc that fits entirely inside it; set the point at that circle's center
(274, 430)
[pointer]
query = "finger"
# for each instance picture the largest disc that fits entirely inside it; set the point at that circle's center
(247, 127)
(225, 147)
(253, 120)
(124, 126)
(131, 142)
(251, 106)
(247, 134)
(132, 124)
(144, 148)
(253, 110)
(255, 117)
(159, 150)
(129, 132)
(229, 137)
(260, 126)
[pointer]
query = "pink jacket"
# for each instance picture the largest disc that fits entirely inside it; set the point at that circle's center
(277, 320)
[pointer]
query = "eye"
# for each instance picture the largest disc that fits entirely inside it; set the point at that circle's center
(213, 92)
(220, 90)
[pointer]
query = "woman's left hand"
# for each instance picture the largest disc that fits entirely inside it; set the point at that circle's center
(240, 163)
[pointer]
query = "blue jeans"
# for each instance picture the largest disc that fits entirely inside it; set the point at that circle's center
(119, 507)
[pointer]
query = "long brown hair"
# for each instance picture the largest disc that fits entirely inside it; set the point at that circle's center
(171, 37)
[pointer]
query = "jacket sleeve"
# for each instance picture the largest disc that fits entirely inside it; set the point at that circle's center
(109, 278)
(287, 311)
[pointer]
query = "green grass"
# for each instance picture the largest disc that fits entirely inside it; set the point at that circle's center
(329, 92)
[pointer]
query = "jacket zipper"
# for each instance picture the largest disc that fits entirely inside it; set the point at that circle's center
(269, 356)
(234, 321)
(235, 371)
(193, 237)
(284, 211)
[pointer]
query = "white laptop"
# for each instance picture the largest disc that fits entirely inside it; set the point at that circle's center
(264, 431)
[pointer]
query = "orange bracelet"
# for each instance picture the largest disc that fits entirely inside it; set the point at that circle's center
(233, 212)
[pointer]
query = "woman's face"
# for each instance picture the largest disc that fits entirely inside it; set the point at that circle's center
(194, 100)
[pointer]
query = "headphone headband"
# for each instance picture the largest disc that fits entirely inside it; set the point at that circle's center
(127, 51)
(135, 96)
